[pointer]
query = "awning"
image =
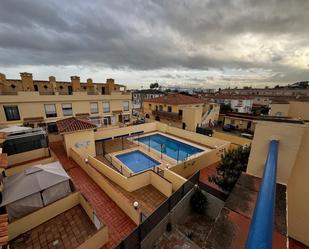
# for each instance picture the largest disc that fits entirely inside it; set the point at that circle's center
(34, 120)
(117, 112)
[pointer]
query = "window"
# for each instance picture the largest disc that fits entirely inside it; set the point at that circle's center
(125, 105)
(67, 109)
(169, 109)
(94, 108)
(106, 107)
(11, 112)
(160, 108)
(50, 111)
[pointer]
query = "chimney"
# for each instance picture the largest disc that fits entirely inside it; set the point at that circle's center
(110, 85)
(52, 81)
(2, 80)
(27, 81)
(75, 81)
(90, 85)
(89, 82)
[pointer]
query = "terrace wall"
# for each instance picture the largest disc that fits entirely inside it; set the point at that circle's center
(110, 133)
(135, 182)
(103, 183)
(44, 214)
(210, 142)
(234, 140)
(82, 141)
(174, 178)
(17, 169)
(187, 168)
(28, 155)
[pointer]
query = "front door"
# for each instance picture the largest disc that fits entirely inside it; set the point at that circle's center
(113, 120)
(70, 90)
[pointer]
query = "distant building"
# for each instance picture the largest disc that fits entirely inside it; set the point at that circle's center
(291, 109)
(34, 103)
(139, 96)
(182, 111)
(237, 103)
(276, 91)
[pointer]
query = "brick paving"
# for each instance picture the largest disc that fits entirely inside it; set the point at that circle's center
(67, 230)
(118, 223)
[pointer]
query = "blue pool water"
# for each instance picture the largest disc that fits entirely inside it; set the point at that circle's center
(170, 147)
(137, 161)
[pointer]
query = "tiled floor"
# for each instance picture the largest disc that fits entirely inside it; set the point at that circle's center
(175, 240)
(118, 223)
(67, 230)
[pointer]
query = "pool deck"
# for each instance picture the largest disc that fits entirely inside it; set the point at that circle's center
(182, 140)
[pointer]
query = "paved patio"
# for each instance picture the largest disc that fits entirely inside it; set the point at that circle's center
(118, 223)
(67, 230)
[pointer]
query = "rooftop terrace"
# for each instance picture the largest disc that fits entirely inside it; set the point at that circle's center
(67, 230)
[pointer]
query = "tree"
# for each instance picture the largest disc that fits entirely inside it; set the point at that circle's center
(233, 162)
(198, 201)
(154, 85)
(224, 108)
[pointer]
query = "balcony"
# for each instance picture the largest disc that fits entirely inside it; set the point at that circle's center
(167, 115)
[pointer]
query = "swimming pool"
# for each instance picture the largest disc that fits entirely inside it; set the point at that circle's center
(137, 161)
(170, 147)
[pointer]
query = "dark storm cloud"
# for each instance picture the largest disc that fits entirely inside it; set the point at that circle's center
(158, 34)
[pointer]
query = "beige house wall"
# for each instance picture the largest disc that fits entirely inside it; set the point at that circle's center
(240, 124)
(31, 104)
(299, 110)
(293, 109)
(289, 136)
(82, 141)
(192, 117)
(292, 169)
(298, 193)
(279, 110)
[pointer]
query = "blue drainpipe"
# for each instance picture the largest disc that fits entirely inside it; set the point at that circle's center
(262, 224)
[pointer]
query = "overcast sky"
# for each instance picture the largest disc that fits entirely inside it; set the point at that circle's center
(206, 43)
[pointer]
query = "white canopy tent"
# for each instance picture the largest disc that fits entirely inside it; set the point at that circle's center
(15, 129)
(34, 188)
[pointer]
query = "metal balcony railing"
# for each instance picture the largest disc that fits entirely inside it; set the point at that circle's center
(262, 224)
(167, 115)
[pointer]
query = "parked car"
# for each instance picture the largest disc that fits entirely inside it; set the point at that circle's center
(246, 135)
(228, 127)
(140, 120)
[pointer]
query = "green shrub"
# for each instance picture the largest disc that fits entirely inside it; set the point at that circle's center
(198, 201)
(233, 162)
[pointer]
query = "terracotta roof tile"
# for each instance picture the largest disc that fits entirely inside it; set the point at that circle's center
(176, 99)
(74, 124)
(4, 160)
(4, 237)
